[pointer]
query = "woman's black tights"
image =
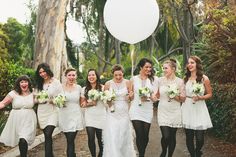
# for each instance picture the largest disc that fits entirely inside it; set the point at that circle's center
(91, 131)
(168, 140)
(23, 146)
(142, 135)
(70, 138)
(48, 140)
(199, 136)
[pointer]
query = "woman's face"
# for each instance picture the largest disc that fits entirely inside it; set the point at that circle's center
(118, 76)
(191, 65)
(24, 85)
(146, 69)
(92, 78)
(43, 74)
(168, 71)
(71, 77)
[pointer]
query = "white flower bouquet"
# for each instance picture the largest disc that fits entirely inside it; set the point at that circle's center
(197, 89)
(172, 91)
(42, 97)
(93, 94)
(108, 96)
(144, 92)
(60, 100)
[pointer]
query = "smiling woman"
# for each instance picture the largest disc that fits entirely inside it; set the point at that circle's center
(21, 123)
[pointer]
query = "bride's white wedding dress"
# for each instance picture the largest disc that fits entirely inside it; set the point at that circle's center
(117, 133)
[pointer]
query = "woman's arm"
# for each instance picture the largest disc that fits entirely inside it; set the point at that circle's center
(6, 101)
(130, 88)
(208, 89)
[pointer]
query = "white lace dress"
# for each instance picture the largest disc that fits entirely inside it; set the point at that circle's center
(117, 133)
(195, 115)
(70, 117)
(169, 111)
(95, 115)
(143, 112)
(21, 122)
(48, 113)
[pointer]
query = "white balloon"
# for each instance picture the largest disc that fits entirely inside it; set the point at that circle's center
(131, 21)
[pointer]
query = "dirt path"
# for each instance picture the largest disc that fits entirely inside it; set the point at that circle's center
(212, 147)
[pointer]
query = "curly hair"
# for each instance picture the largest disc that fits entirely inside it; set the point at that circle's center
(17, 84)
(199, 68)
(88, 85)
(39, 79)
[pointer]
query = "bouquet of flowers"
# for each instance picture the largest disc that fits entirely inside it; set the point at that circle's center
(108, 96)
(60, 100)
(172, 91)
(144, 92)
(42, 97)
(93, 94)
(197, 89)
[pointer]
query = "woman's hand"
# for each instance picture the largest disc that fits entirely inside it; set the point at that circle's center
(130, 95)
(91, 103)
(109, 103)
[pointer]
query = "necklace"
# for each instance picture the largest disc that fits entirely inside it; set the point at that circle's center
(47, 85)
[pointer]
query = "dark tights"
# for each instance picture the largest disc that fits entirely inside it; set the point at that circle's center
(199, 136)
(70, 138)
(91, 131)
(48, 140)
(23, 146)
(142, 135)
(168, 140)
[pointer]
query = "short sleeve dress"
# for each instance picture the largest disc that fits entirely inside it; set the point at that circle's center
(48, 113)
(169, 111)
(21, 122)
(71, 117)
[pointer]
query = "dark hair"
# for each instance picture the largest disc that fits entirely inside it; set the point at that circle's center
(141, 64)
(88, 85)
(172, 63)
(117, 67)
(69, 70)
(199, 69)
(17, 84)
(39, 79)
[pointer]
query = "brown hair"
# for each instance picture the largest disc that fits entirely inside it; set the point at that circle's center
(69, 70)
(198, 67)
(17, 84)
(117, 67)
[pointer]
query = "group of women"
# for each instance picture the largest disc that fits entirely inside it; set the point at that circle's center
(112, 128)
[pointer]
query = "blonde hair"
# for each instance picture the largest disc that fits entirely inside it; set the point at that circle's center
(172, 63)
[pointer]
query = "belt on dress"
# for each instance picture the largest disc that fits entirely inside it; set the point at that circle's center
(23, 108)
(189, 97)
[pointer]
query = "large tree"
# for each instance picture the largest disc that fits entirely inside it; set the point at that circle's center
(50, 44)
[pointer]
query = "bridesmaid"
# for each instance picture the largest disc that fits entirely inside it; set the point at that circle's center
(169, 109)
(70, 116)
(95, 113)
(21, 124)
(47, 112)
(196, 118)
(141, 113)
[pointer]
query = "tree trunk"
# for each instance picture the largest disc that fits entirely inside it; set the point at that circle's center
(50, 44)
(101, 44)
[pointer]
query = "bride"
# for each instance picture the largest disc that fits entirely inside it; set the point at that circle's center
(117, 134)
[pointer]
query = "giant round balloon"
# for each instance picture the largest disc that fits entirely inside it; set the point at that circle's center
(131, 21)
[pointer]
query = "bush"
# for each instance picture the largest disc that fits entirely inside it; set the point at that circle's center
(222, 108)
